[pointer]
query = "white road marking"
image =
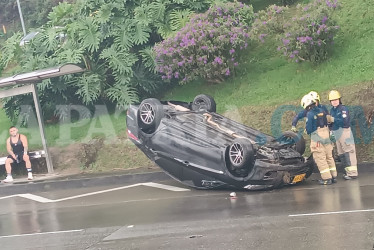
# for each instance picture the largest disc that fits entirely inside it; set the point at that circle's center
(337, 212)
(167, 187)
(6, 197)
(57, 232)
(46, 200)
(34, 198)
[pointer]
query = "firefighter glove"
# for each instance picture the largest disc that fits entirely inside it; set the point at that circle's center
(294, 129)
(330, 119)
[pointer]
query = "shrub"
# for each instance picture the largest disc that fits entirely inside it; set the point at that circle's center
(269, 22)
(287, 2)
(306, 33)
(208, 46)
(310, 34)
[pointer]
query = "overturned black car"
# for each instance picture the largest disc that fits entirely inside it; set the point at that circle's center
(203, 149)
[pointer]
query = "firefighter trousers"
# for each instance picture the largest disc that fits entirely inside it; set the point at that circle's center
(346, 149)
(321, 148)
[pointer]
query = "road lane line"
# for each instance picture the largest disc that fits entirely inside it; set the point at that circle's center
(337, 212)
(97, 192)
(35, 198)
(57, 232)
(167, 187)
(6, 197)
(46, 200)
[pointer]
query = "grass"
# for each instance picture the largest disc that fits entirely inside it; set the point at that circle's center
(106, 126)
(263, 83)
(267, 79)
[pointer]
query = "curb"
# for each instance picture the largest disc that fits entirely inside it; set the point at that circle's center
(51, 185)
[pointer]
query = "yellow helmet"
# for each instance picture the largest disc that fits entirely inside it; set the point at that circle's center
(315, 95)
(307, 100)
(334, 95)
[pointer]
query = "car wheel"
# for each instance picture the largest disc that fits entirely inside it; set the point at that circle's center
(241, 156)
(150, 113)
(297, 140)
(204, 102)
(312, 167)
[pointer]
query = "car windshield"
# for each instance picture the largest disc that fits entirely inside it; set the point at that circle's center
(61, 36)
(30, 36)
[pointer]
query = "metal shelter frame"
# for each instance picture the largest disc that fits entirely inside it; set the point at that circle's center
(26, 83)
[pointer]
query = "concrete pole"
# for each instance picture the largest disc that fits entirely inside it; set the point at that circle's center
(41, 127)
(21, 17)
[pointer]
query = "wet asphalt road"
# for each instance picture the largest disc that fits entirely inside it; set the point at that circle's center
(172, 216)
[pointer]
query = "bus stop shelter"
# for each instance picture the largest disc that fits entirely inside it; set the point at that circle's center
(26, 83)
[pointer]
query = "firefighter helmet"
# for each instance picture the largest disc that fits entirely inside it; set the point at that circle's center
(315, 96)
(334, 95)
(306, 101)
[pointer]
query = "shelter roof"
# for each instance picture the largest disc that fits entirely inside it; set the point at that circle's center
(39, 75)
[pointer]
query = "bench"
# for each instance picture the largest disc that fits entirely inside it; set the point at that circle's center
(34, 155)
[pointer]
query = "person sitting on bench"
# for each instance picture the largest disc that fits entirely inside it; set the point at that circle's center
(17, 148)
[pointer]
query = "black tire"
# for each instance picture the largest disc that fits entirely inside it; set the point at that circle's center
(294, 139)
(241, 157)
(312, 167)
(204, 102)
(150, 113)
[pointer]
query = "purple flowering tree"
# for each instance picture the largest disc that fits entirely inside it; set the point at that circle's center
(305, 33)
(269, 22)
(310, 35)
(208, 46)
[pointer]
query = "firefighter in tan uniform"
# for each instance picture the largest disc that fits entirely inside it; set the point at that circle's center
(320, 145)
(341, 129)
(302, 114)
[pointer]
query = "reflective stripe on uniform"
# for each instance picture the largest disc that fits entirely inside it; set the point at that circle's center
(351, 168)
(325, 171)
(332, 168)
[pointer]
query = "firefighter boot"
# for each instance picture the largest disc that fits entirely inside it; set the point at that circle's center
(334, 179)
(347, 177)
(325, 182)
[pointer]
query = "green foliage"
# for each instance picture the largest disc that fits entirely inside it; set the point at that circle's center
(10, 50)
(122, 93)
(112, 39)
(119, 61)
(121, 36)
(157, 10)
(305, 33)
(310, 35)
(265, 79)
(11, 106)
(144, 81)
(141, 34)
(59, 13)
(208, 46)
(89, 87)
(88, 34)
(270, 22)
(148, 59)
(287, 2)
(179, 18)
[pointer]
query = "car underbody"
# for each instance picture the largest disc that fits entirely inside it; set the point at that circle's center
(203, 149)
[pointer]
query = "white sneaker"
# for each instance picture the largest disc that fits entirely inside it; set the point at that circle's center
(29, 176)
(8, 179)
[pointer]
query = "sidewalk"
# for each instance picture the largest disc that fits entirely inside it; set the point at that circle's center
(50, 182)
